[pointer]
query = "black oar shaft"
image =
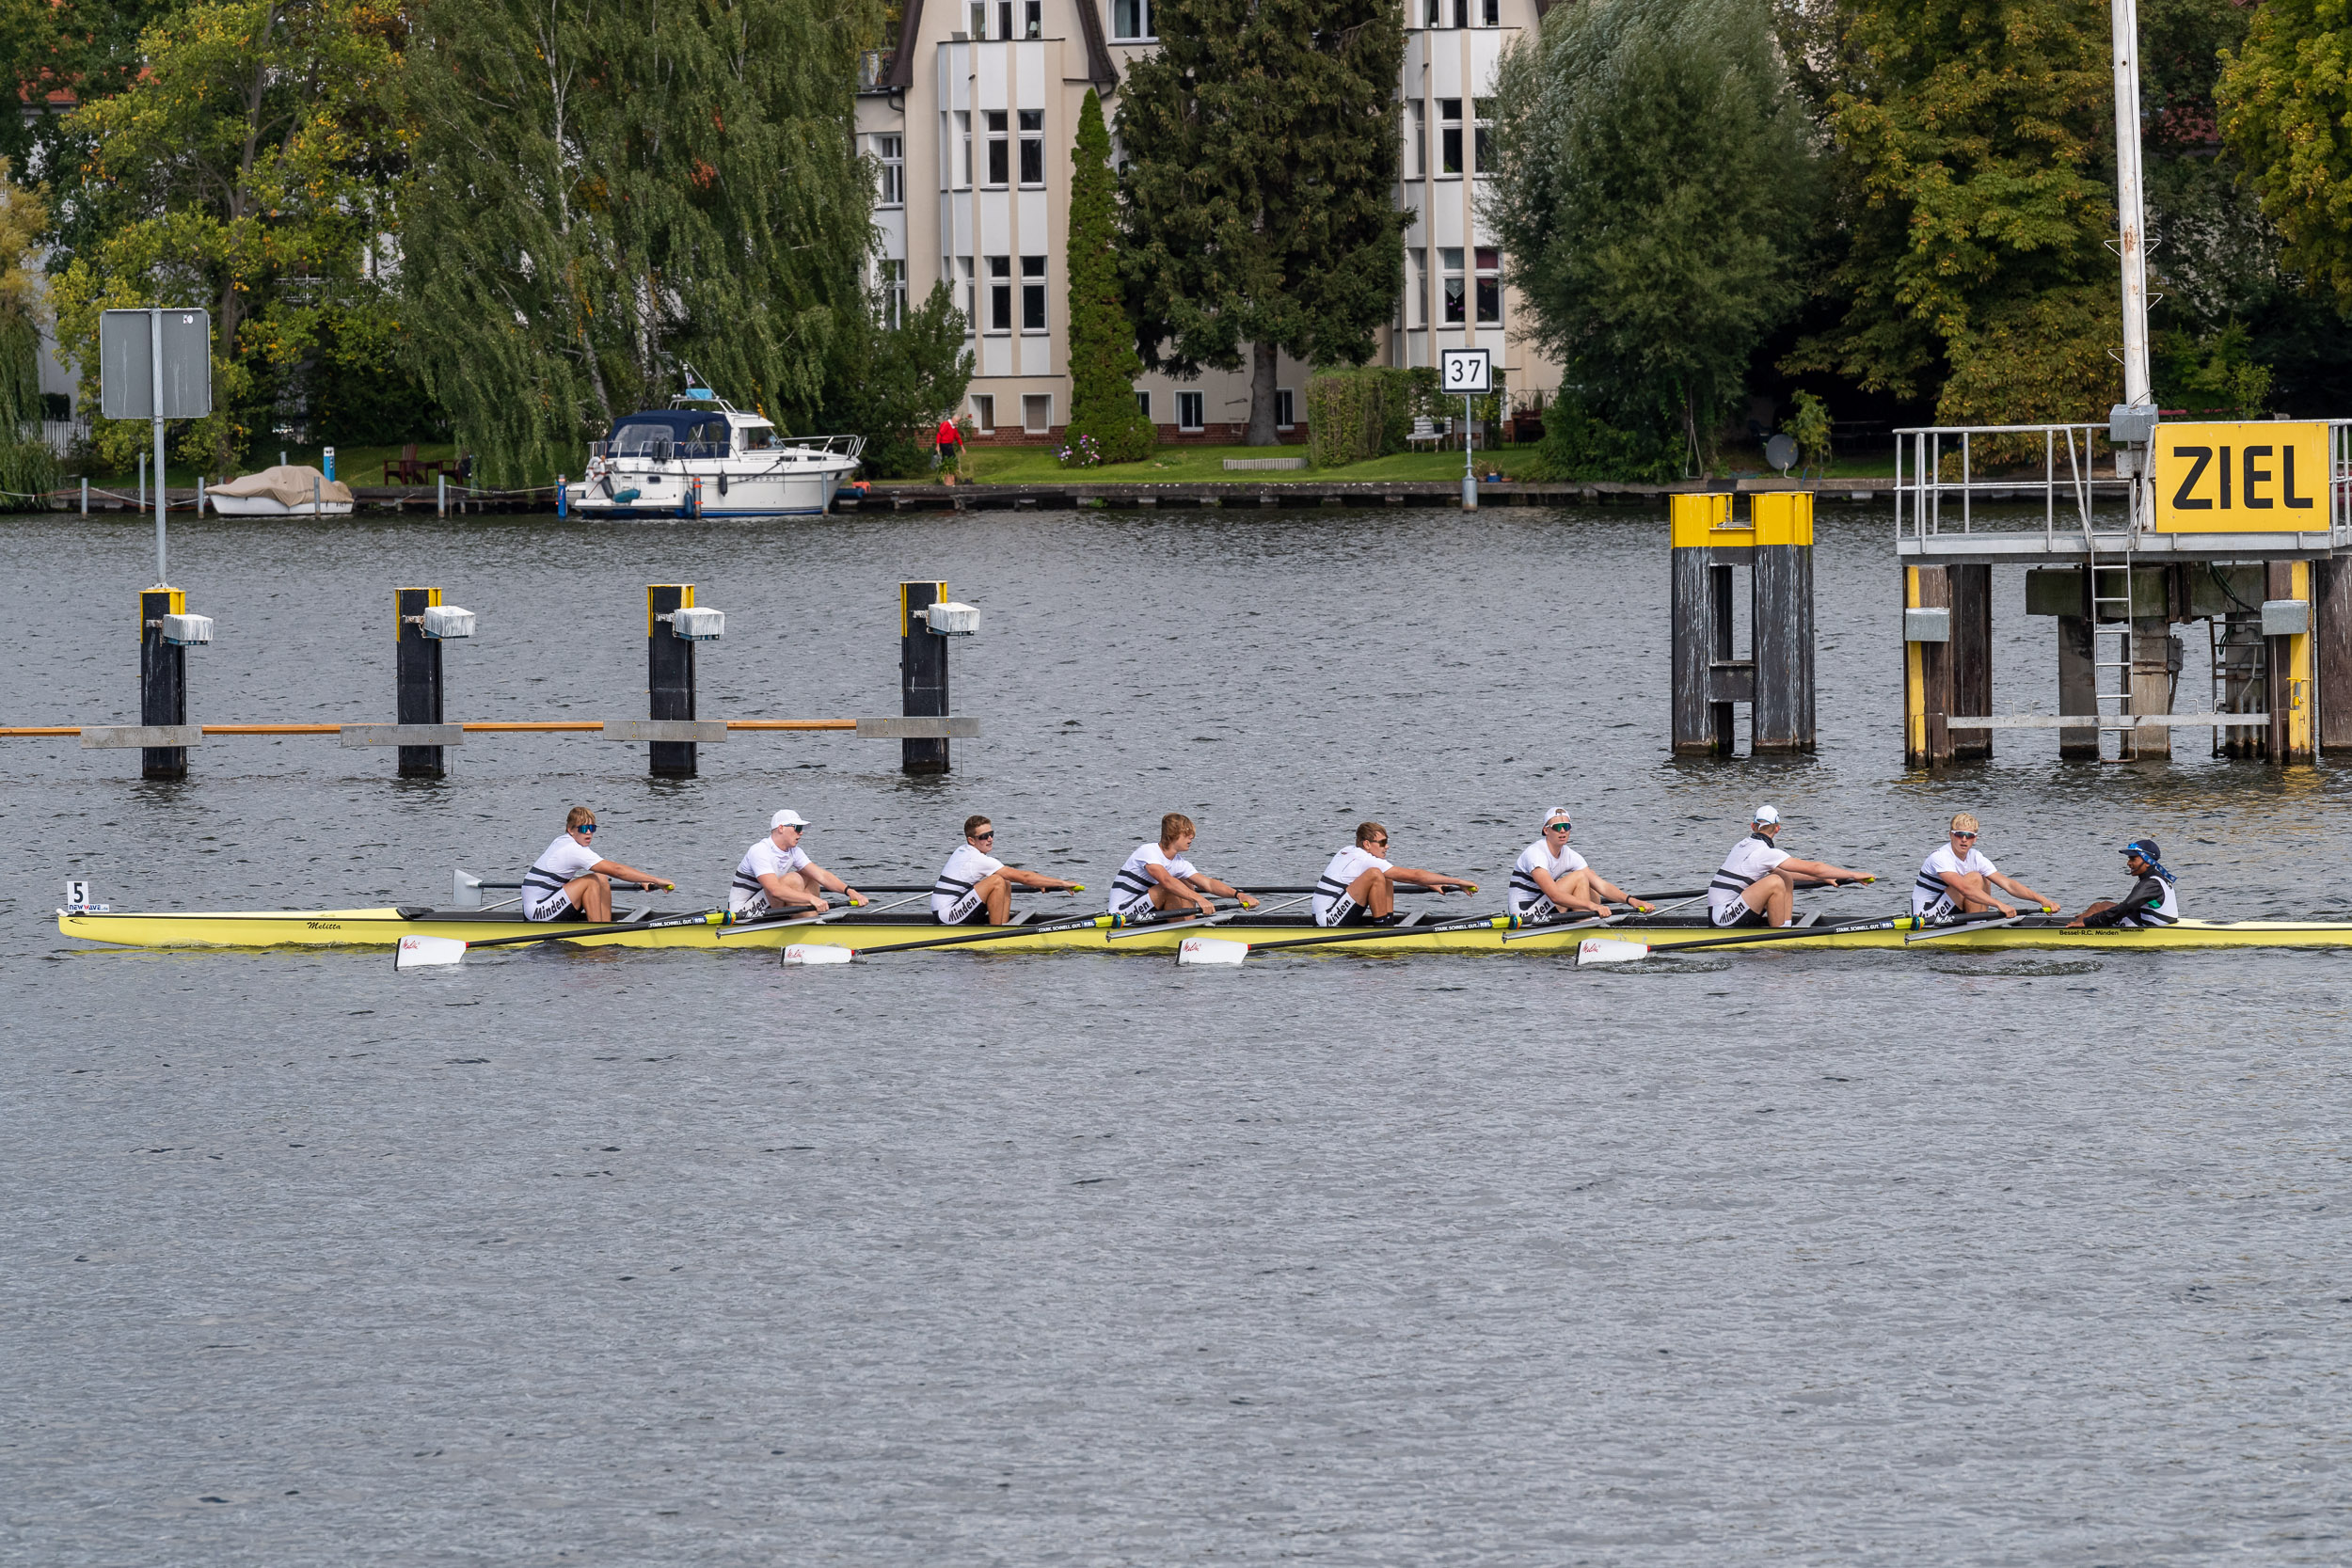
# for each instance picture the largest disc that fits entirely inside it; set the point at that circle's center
(1484, 922)
(566, 933)
(998, 933)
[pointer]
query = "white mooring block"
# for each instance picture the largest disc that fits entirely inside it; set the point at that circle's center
(697, 624)
(187, 631)
(446, 623)
(950, 619)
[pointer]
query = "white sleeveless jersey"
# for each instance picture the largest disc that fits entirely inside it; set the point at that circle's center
(543, 884)
(1929, 896)
(1525, 895)
(1331, 887)
(964, 867)
(1133, 883)
(1749, 859)
(763, 859)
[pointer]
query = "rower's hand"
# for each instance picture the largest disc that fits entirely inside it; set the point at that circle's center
(2049, 908)
(1247, 902)
(1645, 909)
(857, 899)
(2006, 912)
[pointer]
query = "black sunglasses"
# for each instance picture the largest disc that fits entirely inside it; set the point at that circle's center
(990, 835)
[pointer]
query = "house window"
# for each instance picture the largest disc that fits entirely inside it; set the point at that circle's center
(1188, 416)
(1450, 261)
(1461, 14)
(1493, 12)
(1417, 287)
(1483, 144)
(1000, 292)
(999, 147)
(1285, 404)
(892, 276)
(1033, 18)
(969, 294)
(1037, 413)
(1448, 136)
(1432, 13)
(1004, 20)
(1143, 406)
(963, 149)
(1417, 140)
(1131, 19)
(984, 413)
(979, 19)
(892, 151)
(1490, 287)
(1033, 147)
(1033, 293)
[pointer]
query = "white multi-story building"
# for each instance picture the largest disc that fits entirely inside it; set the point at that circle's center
(971, 119)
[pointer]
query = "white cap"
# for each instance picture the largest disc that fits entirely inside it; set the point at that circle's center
(786, 819)
(1557, 814)
(1766, 816)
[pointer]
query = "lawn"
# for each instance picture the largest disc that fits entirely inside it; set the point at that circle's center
(1190, 464)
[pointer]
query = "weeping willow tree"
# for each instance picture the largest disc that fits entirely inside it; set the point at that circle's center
(27, 466)
(603, 191)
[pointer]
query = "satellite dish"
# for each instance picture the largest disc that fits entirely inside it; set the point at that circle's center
(1781, 453)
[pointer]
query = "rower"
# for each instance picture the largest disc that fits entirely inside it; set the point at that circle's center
(1358, 887)
(1550, 881)
(776, 876)
(2153, 900)
(1757, 884)
(1158, 878)
(976, 882)
(569, 882)
(1957, 880)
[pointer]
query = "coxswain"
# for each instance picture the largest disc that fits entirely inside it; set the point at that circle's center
(1358, 887)
(976, 882)
(569, 882)
(1956, 879)
(1158, 878)
(2153, 900)
(1757, 884)
(1550, 880)
(776, 876)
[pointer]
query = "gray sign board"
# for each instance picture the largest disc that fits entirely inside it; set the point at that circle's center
(126, 366)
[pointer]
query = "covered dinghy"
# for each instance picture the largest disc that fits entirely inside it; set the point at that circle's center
(289, 489)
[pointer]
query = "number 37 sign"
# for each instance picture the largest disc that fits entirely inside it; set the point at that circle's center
(2269, 476)
(1464, 372)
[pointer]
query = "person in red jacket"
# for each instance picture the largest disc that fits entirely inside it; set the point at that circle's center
(950, 449)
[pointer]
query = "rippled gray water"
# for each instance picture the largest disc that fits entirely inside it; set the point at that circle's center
(664, 1257)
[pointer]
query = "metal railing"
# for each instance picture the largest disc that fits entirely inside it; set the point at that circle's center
(2079, 470)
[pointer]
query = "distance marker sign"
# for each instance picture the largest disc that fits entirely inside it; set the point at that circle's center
(1464, 371)
(2266, 477)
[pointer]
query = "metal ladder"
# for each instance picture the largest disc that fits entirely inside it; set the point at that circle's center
(2241, 671)
(2119, 604)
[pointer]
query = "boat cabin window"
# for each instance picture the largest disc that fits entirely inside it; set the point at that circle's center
(661, 440)
(758, 437)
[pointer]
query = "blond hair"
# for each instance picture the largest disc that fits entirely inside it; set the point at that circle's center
(1963, 823)
(1174, 826)
(578, 815)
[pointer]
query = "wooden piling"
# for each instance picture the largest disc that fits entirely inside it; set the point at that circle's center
(1781, 716)
(1703, 545)
(669, 677)
(163, 682)
(416, 677)
(2294, 694)
(922, 676)
(1972, 657)
(2331, 652)
(1928, 674)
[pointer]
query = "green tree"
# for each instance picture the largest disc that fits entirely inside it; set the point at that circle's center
(2287, 100)
(82, 50)
(603, 191)
(26, 465)
(1261, 149)
(893, 384)
(1655, 176)
(247, 168)
(1972, 143)
(1103, 360)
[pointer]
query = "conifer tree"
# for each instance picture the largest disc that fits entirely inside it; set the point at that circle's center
(607, 191)
(1261, 147)
(1103, 360)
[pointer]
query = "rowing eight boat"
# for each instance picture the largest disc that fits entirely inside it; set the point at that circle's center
(384, 927)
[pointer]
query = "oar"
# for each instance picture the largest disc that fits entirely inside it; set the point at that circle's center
(1468, 923)
(1980, 922)
(822, 953)
(1598, 951)
(419, 950)
(1195, 922)
(765, 924)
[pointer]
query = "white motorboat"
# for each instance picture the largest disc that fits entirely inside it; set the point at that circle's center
(702, 457)
(287, 490)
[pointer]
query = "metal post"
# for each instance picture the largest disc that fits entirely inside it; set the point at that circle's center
(156, 365)
(1470, 475)
(416, 677)
(200, 495)
(561, 509)
(142, 483)
(922, 676)
(441, 495)
(163, 682)
(669, 676)
(85, 494)
(2130, 211)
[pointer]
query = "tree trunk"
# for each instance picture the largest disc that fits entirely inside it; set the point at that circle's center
(1265, 365)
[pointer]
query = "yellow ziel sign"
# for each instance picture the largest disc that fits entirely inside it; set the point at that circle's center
(2265, 478)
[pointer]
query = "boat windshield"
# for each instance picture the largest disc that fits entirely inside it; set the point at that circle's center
(661, 440)
(758, 437)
